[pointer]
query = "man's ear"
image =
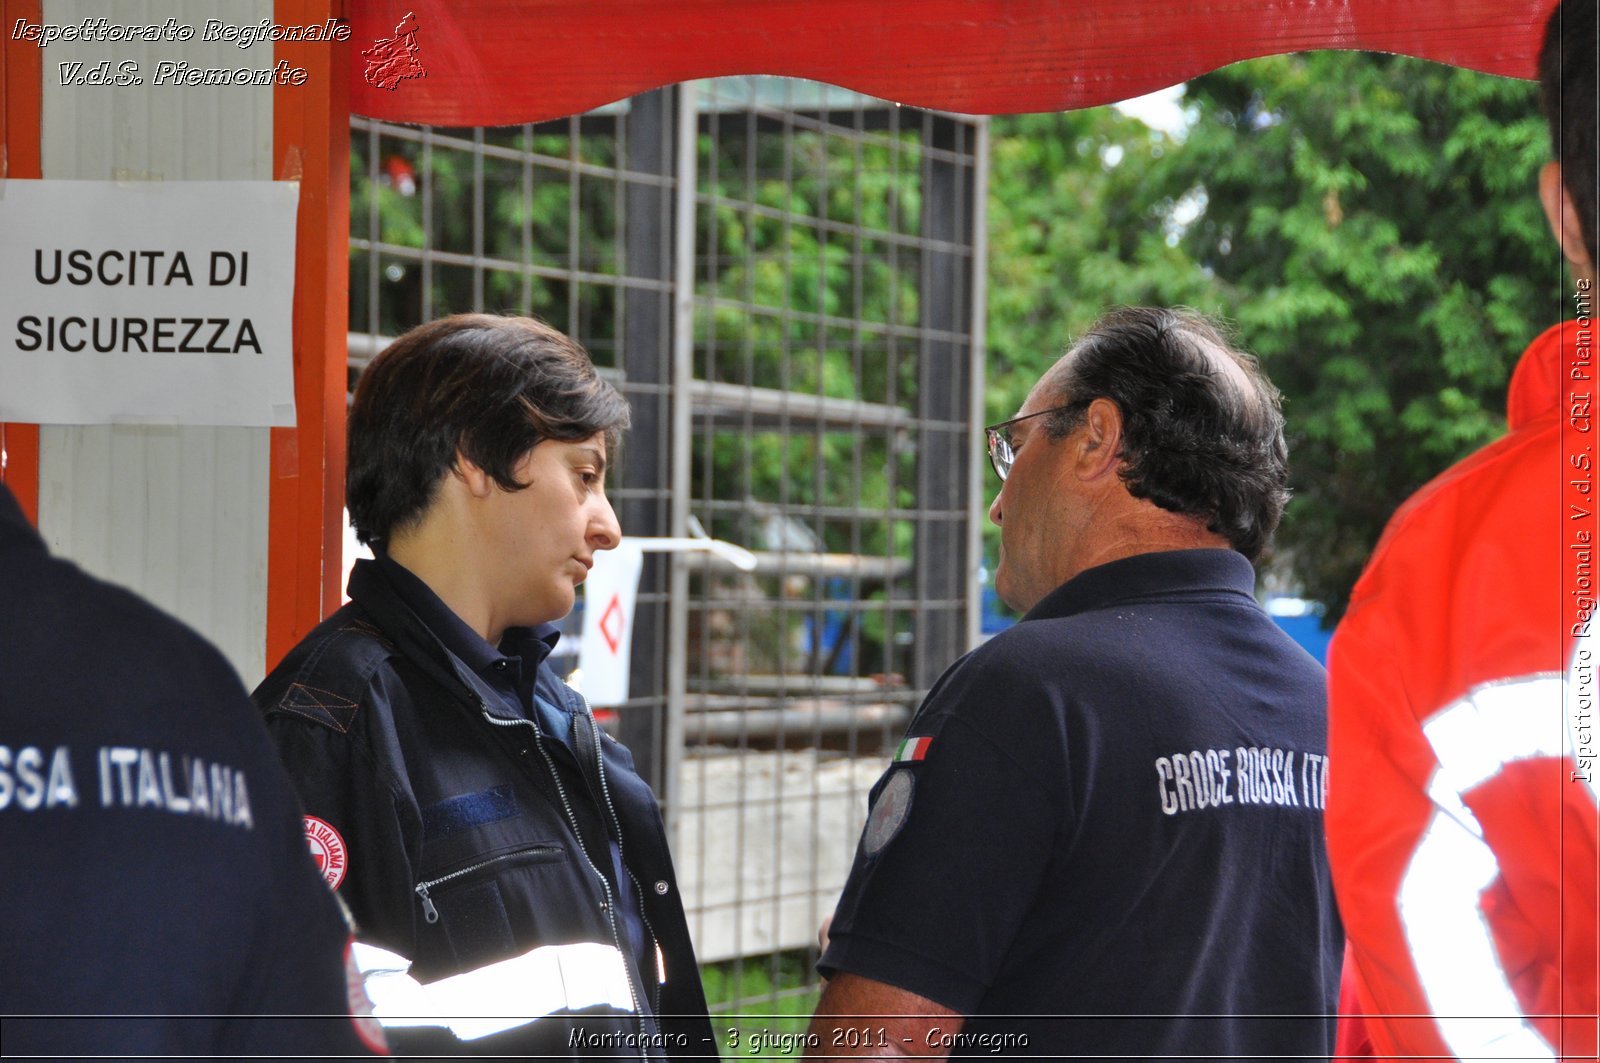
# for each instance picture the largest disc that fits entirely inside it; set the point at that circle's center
(478, 483)
(1563, 219)
(1100, 444)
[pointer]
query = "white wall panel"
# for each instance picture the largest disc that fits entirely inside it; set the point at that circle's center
(179, 514)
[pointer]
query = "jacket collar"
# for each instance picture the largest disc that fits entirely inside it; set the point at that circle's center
(1157, 574)
(375, 592)
(1540, 383)
(377, 597)
(532, 644)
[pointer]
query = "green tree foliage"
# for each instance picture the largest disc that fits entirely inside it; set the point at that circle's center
(1366, 222)
(1075, 226)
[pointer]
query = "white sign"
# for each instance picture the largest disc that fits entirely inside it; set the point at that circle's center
(607, 647)
(147, 302)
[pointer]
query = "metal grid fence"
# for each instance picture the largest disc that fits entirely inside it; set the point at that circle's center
(798, 340)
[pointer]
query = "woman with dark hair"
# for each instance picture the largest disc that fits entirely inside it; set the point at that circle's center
(460, 796)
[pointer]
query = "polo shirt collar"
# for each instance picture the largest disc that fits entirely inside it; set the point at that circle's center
(1159, 574)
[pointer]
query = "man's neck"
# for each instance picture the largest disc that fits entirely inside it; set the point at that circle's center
(1145, 528)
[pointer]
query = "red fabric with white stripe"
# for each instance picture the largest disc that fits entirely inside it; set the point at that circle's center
(1447, 721)
(498, 62)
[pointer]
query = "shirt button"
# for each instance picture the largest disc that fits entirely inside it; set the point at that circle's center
(500, 666)
(661, 888)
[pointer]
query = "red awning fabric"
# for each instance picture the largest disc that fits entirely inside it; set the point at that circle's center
(500, 62)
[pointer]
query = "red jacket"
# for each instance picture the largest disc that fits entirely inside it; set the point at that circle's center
(1462, 816)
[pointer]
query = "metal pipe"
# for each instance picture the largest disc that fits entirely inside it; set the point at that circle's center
(977, 466)
(804, 716)
(687, 184)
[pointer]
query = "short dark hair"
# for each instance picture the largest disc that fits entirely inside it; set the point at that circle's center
(1193, 442)
(1567, 87)
(492, 387)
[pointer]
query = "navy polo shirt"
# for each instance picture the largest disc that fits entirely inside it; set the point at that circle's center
(511, 671)
(1106, 834)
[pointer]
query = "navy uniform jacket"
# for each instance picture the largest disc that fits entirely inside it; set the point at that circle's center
(468, 836)
(155, 859)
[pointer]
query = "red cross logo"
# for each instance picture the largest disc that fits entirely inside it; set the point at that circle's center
(613, 618)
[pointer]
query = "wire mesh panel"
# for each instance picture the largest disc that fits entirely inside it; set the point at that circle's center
(821, 421)
(833, 348)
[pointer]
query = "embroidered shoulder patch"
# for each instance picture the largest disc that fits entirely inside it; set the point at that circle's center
(328, 850)
(913, 749)
(889, 812)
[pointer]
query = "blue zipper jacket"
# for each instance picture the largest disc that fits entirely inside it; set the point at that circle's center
(461, 834)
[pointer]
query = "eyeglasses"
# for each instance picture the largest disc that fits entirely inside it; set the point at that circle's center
(1002, 453)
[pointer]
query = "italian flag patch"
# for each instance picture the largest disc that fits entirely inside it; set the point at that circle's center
(912, 749)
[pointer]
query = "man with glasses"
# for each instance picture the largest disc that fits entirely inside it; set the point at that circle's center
(1103, 832)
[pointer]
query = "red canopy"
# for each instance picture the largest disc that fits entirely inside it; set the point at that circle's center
(499, 62)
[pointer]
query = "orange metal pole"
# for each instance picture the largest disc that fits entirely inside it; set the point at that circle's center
(311, 144)
(21, 94)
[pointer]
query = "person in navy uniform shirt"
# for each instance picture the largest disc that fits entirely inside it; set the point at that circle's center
(1103, 832)
(158, 898)
(480, 825)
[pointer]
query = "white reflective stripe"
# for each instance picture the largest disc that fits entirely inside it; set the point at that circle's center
(500, 996)
(1472, 1004)
(370, 959)
(1451, 943)
(1496, 724)
(399, 1000)
(1448, 803)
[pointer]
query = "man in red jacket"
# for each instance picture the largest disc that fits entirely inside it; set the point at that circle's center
(1462, 819)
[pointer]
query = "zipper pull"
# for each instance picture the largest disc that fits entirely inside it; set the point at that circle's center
(429, 912)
